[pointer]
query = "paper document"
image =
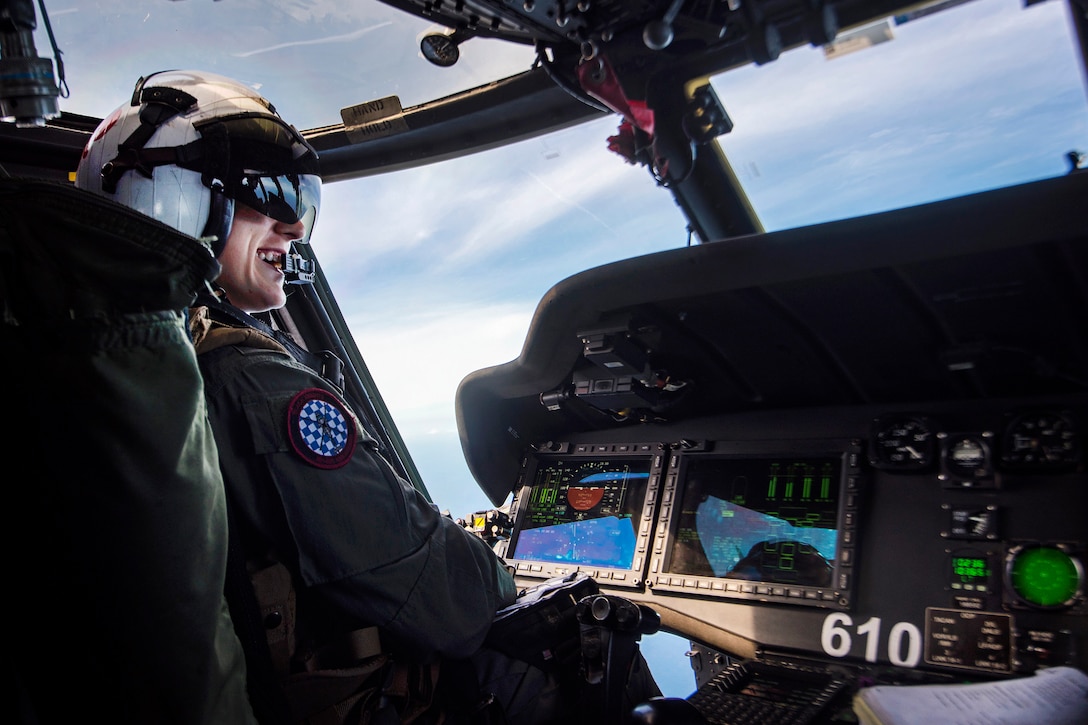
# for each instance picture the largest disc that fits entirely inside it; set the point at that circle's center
(1054, 696)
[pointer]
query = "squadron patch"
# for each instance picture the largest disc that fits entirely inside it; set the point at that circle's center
(322, 432)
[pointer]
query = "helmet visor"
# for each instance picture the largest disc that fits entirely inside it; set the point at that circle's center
(289, 198)
(268, 166)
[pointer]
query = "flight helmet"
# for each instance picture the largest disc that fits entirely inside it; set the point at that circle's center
(191, 144)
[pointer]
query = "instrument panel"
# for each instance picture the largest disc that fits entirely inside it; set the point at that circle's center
(760, 522)
(960, 501)
(948, 538)
(1042, 440)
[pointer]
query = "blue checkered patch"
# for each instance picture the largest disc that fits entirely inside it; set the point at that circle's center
(321, 430)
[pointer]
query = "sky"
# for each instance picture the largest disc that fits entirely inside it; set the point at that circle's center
(475, 243)
(438, 270)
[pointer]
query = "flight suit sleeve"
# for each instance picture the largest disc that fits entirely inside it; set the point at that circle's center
(116, 533)
(366, 542)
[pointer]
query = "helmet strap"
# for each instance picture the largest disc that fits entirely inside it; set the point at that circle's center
(212, 151)
(161, 104)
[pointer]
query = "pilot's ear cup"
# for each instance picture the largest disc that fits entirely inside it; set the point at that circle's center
(666, 711)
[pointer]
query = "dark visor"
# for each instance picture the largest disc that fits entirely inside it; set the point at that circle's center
(267, 166)
(288, 198)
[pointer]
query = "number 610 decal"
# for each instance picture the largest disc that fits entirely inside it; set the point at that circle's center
(904, 644)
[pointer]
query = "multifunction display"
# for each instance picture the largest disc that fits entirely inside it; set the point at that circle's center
(767, 526)
(723, 519)
(590, 508)
(764, 520)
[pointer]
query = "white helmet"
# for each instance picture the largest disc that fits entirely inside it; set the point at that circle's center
(190, 144)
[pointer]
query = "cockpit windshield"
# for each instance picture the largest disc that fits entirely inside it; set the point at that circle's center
(945, 101)
(949, 99)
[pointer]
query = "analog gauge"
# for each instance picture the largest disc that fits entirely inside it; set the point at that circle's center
(1040, 440)
(967, 460)
(967, 453)
(903, 442)
(440, 49)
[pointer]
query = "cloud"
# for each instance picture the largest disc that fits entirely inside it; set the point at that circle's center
(950, 55)
(522, 208)
(418, 356)
(539, 193)
(343, 38)
(871, 136)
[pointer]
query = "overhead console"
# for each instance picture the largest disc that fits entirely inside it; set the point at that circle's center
(860, 444)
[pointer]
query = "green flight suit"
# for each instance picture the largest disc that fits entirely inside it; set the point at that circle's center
(366, 548)
(310, 491)
(116, 538)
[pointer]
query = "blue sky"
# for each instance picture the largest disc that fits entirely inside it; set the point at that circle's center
(438, 270)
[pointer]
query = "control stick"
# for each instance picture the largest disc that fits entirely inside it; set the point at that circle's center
(610, 629)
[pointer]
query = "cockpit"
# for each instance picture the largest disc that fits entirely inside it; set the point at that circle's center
(837, 466)
(801, 368)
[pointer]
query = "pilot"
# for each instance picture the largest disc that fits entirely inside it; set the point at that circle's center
(366, 597)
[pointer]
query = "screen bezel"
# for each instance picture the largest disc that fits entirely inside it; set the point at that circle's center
(838, 595)
(634, 576)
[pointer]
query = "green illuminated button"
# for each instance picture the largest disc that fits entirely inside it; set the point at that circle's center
(1044, 576)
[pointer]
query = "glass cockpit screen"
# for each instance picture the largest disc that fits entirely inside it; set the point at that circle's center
(585, 512)
(758, 525)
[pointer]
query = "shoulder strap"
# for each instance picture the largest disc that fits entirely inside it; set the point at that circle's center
(325, 363)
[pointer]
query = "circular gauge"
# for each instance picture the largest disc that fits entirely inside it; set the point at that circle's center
(1047, 577)
(1040, 440)
(439, 49)
(905, 442)
(967, 457)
